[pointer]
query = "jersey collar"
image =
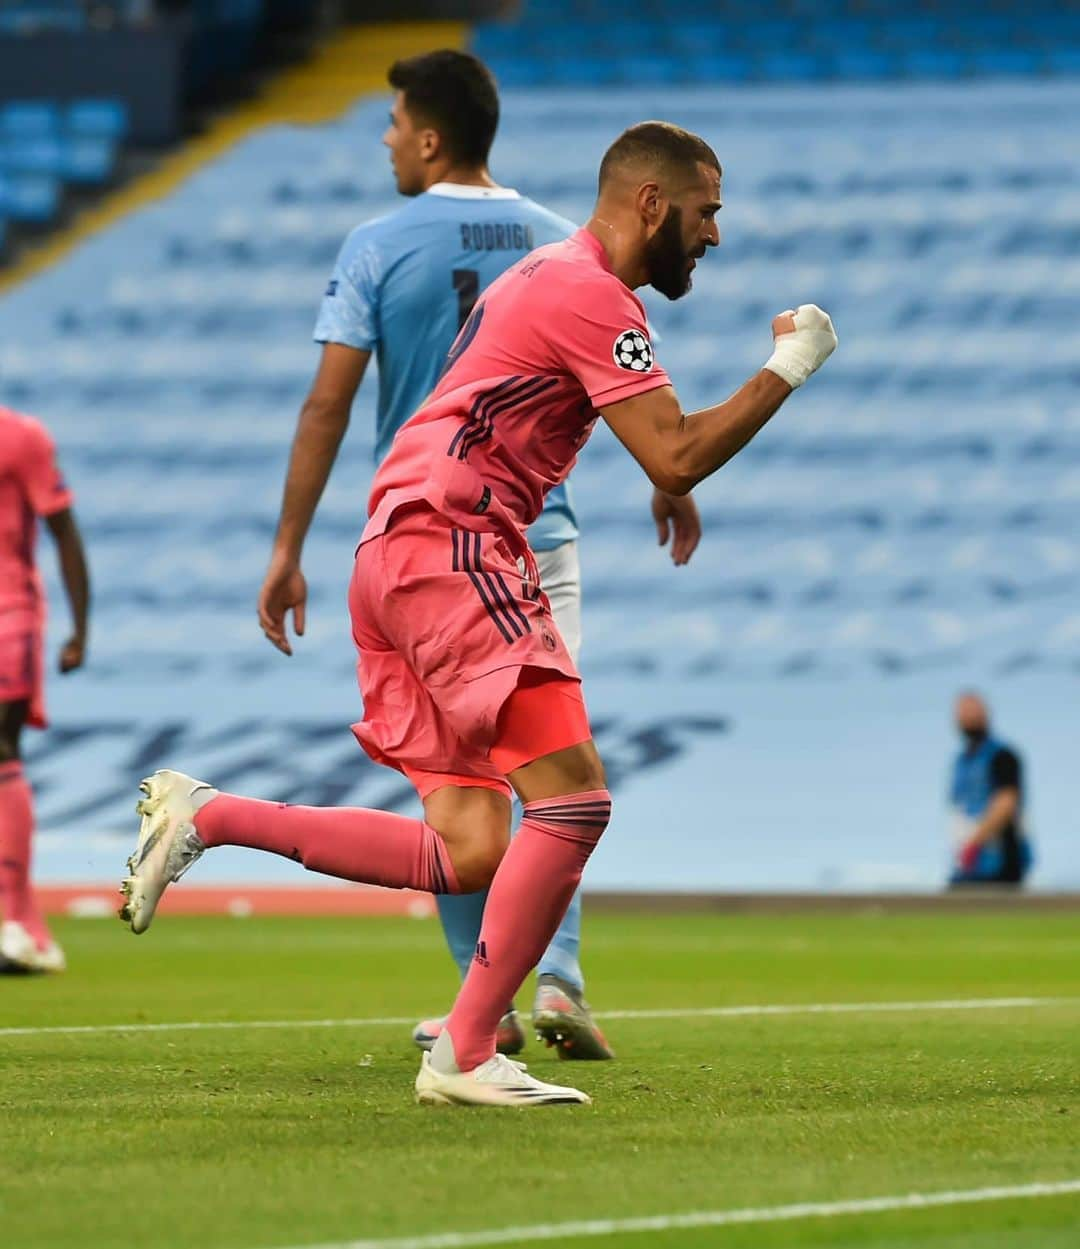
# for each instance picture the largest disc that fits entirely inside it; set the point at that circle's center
(459, 190)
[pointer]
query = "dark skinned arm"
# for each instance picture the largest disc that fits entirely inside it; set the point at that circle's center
(76, 578)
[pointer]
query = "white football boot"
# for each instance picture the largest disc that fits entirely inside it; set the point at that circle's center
(19, 952)
(168, 843)
(498, 1082)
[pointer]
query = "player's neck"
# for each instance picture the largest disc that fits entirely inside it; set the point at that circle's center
(623, 250)
(461, 175)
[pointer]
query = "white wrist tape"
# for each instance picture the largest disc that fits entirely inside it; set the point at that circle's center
(805, 339)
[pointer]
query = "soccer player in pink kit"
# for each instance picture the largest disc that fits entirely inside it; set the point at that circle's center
(30, 487)
(468, 689)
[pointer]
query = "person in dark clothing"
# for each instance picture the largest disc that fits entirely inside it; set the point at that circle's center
(987, 798)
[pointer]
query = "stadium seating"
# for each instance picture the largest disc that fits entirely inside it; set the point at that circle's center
(46, 147)
(909, 521)
(783, 41)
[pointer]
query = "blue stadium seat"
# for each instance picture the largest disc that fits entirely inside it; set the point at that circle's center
(30, 198)
(701, 37)
(104, 119)
(88, 160)
(25, 119)
(32, 155)
(1063, 60)
(934, 63)
(513, 71)
(792, 67)
(649, 70)
(582, 70)
(908, 32)
(717, 68)
(864, 64)
(496, 39)
(1007, 62)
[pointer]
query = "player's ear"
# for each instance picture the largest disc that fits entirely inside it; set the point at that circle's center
(652, 205)
(430, 144)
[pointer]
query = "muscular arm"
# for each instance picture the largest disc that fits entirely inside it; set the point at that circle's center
(320, 428)
(76, 579)
(676, 449)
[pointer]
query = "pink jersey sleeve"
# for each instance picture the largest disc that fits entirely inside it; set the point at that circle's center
(601, 336)
(44, 483)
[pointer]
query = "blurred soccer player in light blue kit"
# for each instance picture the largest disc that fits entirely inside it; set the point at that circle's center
(402, 287)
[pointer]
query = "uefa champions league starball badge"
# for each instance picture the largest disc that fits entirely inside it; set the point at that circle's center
(633, 351)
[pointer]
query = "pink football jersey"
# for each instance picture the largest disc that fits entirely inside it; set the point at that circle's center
(553, 340)
(30, 486)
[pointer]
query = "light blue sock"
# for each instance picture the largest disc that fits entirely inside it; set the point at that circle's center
(461, 915)
(561, 957)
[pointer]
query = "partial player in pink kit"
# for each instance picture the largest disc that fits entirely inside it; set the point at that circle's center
(468, 689)
(30, 487)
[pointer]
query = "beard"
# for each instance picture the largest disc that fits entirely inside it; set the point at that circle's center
(667, 259)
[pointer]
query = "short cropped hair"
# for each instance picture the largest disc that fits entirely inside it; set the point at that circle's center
(658, 145)
(455, 94)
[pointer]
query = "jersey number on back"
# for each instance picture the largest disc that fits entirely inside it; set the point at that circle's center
(467, 285)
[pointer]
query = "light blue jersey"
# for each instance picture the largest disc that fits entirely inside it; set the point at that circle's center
(403, 285)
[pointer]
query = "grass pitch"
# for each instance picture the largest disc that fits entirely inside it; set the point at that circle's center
(265, 1137)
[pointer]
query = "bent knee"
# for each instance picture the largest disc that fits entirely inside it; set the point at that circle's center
(474, 825)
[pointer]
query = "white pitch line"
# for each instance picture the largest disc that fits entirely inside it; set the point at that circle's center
(689, 1012)
(707, 1218)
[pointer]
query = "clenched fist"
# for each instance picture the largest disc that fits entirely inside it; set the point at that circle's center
(804, 339)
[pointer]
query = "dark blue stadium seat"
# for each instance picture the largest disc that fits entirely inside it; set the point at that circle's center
(494, 39)
(864, 64)
(582, 70)
(934, 63)
(1002, 62)
(792, 66)
(718, 67)
(514, 71)
(914, 31)
(1063, 60)
(26, 119)
(652, 70)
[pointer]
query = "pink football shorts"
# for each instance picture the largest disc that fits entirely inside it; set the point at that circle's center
(22, 676)
(446, 629)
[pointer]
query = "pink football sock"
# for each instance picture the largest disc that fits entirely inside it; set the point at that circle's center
(526, 903)
(375, 847)
(16, 831)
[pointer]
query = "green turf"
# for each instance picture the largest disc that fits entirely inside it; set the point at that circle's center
(252, 1138)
